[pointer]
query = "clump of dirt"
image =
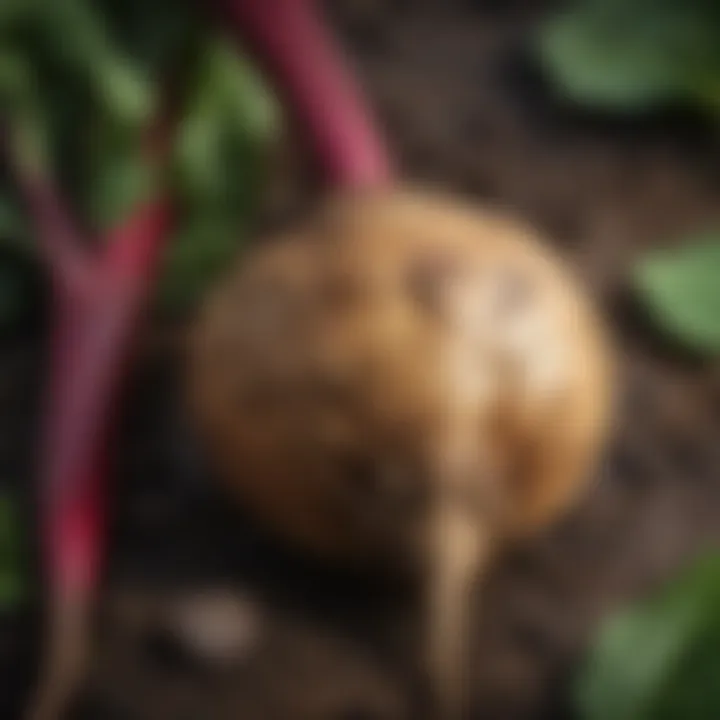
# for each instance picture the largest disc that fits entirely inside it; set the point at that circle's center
(466, 111)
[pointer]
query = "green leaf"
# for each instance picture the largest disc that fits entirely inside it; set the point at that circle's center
(81, 77)
(230, 121)
(654, 661)
(681, 290)
(14, 75)
(197, 256)
(81, 38)
(23, 108)
(116, 177)
(595, 71)
(633, 55)
(12, 10)
(120, 185)
(253, 110)
(200, 152)
(219, 159)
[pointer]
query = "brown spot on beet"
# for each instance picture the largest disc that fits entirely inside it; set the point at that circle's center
(514, 293)
(338, 291)
(359, 470)
(268, 308)
(428, 276)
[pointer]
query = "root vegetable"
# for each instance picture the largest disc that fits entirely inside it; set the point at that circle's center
(401, 380)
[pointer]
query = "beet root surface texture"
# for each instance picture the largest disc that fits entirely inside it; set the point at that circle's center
(404, 382)
(394, 354)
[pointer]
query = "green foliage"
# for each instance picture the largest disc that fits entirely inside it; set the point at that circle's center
(660, 659)
(219, 162)
(81, 79)
(631, 55)
(13, 581)
(681, 290)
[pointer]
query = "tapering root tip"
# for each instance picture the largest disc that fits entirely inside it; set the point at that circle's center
(64, 660)
(460, 557)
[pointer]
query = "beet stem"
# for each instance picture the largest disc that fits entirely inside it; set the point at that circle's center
(300, 55)
(98, 299)
(95, 324)
(58, 236)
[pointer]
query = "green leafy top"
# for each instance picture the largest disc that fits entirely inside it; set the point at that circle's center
(82, 79)
(629, 55)
(659, 660)
(681, 289)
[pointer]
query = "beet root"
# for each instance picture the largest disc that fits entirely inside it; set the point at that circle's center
(403, 381)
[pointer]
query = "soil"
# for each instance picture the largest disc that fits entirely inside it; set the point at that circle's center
(270, 636)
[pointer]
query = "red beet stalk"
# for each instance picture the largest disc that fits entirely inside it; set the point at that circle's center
(310, 71)
(98, 298)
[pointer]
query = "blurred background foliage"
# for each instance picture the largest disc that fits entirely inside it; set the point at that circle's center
(635, 57)
(660, 658)
(83, 80)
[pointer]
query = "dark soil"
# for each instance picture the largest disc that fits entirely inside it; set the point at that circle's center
(464, 110)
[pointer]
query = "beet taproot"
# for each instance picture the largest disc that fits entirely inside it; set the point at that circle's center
(404, 381)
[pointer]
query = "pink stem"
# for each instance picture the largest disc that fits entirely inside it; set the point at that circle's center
(290, 39)
(98, 300)
(59, 238)
(95, 323)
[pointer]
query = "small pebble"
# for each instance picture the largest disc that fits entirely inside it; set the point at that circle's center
(217, 626)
